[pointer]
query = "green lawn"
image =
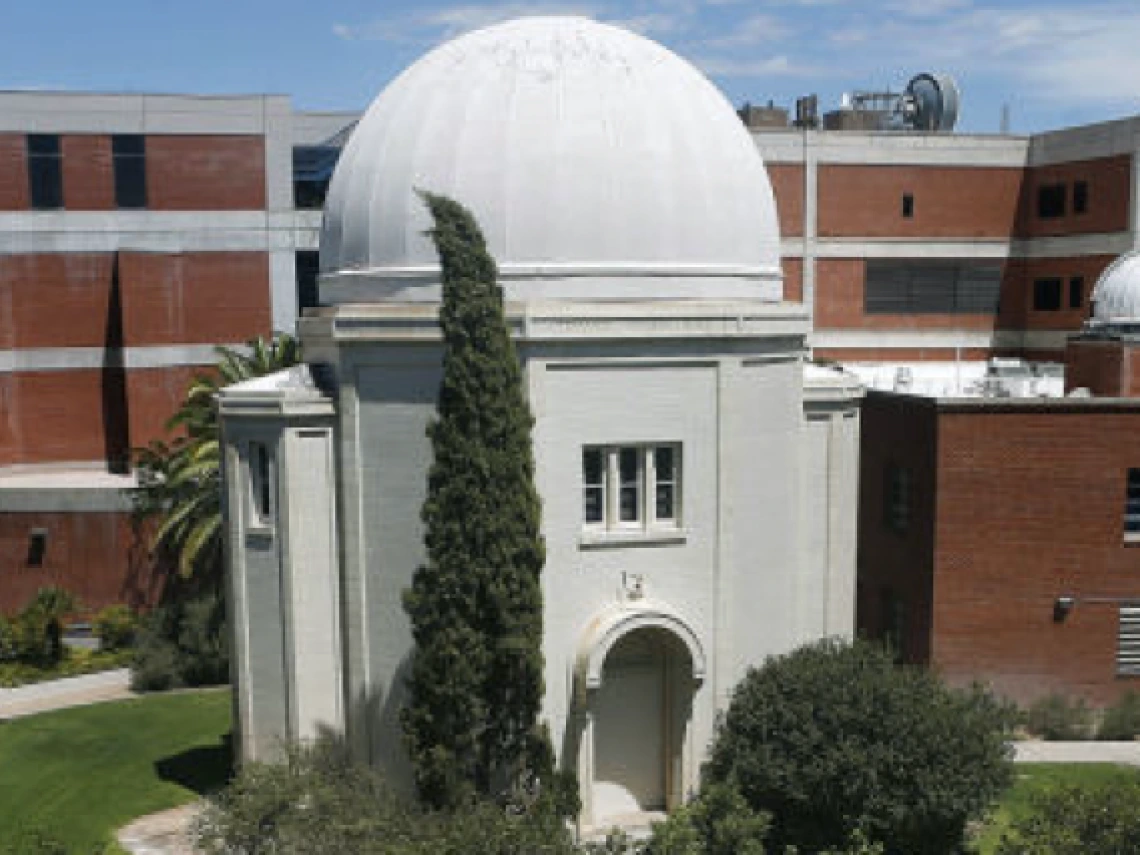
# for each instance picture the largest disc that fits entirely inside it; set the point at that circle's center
(79, 774)
(1033, 778)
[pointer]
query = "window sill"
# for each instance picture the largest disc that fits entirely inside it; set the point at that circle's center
(259, 536)
(616, 538)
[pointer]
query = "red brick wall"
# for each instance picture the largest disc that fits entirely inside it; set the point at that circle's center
(13, 172)
(54, 300)
(1017, 310)
(960, 202)
(899, 430)
(100, 557)
(88, 172)
(205, 173)
(1110, 183)
(788, 186)
(793, 279)
(1030, 507)
(194, 297)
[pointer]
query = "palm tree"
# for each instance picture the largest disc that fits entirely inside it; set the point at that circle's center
(180, 482)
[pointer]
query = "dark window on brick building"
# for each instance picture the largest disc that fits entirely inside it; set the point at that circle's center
(897, 495)
(37, 547)
(1047, 295)
(1076, 292)
(908, 205)
(1051, 201)
(1132, 504)
(129, 154)
(1080, 197)
(45, 171)
(931, 287)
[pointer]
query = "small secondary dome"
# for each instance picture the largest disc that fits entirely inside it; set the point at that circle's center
(1116, 297)
(600, 165)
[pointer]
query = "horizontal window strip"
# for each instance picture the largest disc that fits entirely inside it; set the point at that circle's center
(96, 358)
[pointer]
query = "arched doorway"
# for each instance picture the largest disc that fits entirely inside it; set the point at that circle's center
(640, 712)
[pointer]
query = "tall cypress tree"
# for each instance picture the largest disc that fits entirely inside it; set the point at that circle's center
(476, 681)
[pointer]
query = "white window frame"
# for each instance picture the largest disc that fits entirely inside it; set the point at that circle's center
(645, 483)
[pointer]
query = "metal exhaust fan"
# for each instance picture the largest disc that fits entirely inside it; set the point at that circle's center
(930, 102)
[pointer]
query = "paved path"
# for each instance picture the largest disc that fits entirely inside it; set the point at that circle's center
(163, 833)
(69, 692)
(1033, 751)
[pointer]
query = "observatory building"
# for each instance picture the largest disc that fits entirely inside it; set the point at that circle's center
(698, 478)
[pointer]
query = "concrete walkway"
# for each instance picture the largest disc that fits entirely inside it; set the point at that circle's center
(1034, 751)
(163, 833)
(69, 692)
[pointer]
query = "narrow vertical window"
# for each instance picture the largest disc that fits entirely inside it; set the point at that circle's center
(665, 483)
(594, 485)
(1128, 642)
(37, 547)
(45, 171)
(260, 482)
(129, 154)
(897, 498)
(1132, 505)
(1080, 197)
(629, 474)
(1076, 292)
(908, 205)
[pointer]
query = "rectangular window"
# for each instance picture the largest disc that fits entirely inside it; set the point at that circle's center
(897, 497)
(128, 152)
(629, 474)
(308, 280)
(1132, 504)
(1128, 642)
(1047, 294)
(931, 287)
(37, 547)
(1080, 197)
(631, 486)
(1051, 201)
(594, 486)
(1076, 292)
(908, 205)
(45, 171)
(260, 484)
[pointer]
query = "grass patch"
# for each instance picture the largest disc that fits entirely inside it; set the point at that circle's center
(76, 662)
(76, 775)
(1031, 779)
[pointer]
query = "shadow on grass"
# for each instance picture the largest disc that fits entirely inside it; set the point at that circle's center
(203, 769)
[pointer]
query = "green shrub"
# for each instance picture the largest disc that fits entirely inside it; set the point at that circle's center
(115, 627)
(835, 740)
(37, 631)
(182, 643)
(319, 801)
(76, 661)
(1059, 718)
(1093, 820)
(8, 648)
(719, 822)
(1121, 721)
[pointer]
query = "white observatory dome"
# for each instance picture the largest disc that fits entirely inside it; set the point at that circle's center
(600, 165)
(1116, 297)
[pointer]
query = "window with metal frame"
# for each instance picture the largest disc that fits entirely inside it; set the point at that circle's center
(1047, 294)
(1132, 504)
(908, 287)
(128, 153)
(45, 171)
(1128, 642)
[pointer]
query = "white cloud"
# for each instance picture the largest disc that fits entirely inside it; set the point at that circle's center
(427, 26)
(775, 66)
(752, 31)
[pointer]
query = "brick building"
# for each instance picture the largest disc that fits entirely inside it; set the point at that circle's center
(137, 232)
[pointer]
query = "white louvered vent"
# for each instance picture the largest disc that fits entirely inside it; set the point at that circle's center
(1128, 642)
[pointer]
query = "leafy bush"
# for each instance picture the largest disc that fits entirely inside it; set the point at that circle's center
(834, 740)
(76, 661)
(36, 634)
(115, 627)
(719, 822)
(1121, 721)
(1059, 718)
(1096, 820)
(8, 649)
(319, 801)
(182, 643)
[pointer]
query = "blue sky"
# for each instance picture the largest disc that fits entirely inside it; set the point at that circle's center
(1055, 63)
